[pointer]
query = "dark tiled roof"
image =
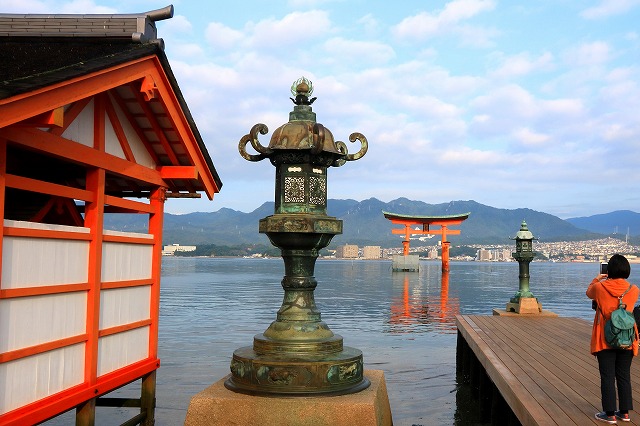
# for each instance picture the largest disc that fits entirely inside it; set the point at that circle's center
(30, 63)
(39, 50)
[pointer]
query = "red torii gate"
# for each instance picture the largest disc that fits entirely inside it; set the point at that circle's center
(427, 221)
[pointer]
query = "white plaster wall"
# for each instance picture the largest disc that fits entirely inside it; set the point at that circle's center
(30, 321)
(33, 262)
(27, 380)
(122, 261)
(122, 349)
(124, 306)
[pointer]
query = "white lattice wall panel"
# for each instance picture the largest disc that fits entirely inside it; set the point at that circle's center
(59, 261)
(122, 261)
(30, 321)
(26, 380)
(124, 306)
(119, 350)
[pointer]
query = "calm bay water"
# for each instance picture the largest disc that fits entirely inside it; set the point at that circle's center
(404, 323)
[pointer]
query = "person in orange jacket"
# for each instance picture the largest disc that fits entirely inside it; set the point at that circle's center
(614, 364)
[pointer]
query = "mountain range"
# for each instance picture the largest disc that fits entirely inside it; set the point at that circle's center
(364, 224)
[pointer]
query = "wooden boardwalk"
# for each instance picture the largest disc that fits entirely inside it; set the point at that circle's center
(539, 366)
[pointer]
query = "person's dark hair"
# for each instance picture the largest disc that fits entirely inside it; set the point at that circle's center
(618, 267)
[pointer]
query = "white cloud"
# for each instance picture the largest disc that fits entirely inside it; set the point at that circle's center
(219, 36)
(425, 25)
(26, 6)
(369, 52)
(608, 8)
(541, 112)
(523, 64)
(370, 25)
(530, 138)
(589, 54)
(33, 6)
(179, 25)
(296, 28)
(465, 156)
(85, 7)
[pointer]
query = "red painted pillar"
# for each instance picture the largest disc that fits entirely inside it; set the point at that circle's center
(445, 250)
(445, 256)
(405, 242)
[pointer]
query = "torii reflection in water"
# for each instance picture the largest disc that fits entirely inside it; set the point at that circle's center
(414, 309)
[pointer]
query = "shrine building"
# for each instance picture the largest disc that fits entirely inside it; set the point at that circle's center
(92, 124)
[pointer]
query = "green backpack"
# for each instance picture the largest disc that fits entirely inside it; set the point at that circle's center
(619, 331)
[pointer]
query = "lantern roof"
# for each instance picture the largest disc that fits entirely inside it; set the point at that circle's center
(524, 233)
(301, 134)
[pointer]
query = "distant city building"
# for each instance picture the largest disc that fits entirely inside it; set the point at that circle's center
(493, 255)
(432, 254)
(483, 255)
(372, 252)
(504, 254)
(347, 251)
(173, 248)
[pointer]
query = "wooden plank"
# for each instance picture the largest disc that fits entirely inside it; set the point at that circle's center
(543, 410)
(518, 398)
(541, 366)
(522, 347)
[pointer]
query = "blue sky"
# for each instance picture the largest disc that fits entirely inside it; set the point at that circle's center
(509, 103)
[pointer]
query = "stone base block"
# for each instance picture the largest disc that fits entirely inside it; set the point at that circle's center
(541, 313)
(409, 263)
(217, 405)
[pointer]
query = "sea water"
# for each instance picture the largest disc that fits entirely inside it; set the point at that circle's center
(404, 323)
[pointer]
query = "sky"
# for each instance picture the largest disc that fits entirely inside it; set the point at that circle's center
(513, 104)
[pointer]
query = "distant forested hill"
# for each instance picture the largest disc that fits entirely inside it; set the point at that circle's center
(364, 224)
(617, 222)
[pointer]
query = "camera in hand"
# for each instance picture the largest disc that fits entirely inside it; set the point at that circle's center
(603, 268)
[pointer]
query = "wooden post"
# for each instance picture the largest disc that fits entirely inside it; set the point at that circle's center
(148, 399)
(3, 173)
(86, 413)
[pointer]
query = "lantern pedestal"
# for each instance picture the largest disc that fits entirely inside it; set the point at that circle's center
(217, 405)
(526, 305)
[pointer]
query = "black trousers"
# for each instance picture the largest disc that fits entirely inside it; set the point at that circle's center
(615, 368)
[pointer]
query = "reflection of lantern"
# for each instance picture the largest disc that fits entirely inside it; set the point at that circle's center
(298, 354)
(524, 254)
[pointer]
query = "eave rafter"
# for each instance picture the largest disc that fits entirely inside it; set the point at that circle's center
(140, 96)
(182, 127)
(60, 147)
(24, 106)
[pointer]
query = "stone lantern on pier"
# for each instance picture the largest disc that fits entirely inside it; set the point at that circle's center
(298, 354)
(524, 302)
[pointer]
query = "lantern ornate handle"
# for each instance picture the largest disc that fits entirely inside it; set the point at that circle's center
(252, 138)
(364, 145)
(342, 148)
(318, 139)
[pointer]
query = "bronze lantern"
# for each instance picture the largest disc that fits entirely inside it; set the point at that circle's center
(524, 301)
(298, 354)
